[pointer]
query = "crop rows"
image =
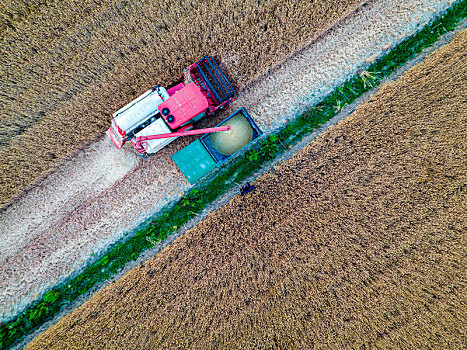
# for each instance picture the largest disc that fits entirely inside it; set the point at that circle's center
(357, 241)
(193, 203)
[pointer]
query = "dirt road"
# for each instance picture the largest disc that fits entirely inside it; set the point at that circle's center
(356, 241)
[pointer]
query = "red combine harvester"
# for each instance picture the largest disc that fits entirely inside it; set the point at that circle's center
(159, 116)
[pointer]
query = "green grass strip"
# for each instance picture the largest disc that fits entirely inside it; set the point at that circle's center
(174, 216)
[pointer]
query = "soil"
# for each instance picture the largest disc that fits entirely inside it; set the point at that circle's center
(101, 194)
(356, 241)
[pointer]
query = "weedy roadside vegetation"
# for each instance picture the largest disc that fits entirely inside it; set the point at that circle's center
(174, 216)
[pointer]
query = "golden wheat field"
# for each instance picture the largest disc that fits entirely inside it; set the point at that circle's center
(358, 241)
(66, 66)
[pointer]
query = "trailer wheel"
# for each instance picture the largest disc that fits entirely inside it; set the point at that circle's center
(165, 111)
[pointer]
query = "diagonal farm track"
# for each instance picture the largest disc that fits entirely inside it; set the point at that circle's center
(77, 211)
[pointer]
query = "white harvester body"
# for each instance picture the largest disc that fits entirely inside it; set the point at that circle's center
(133, 115)
(156, 128)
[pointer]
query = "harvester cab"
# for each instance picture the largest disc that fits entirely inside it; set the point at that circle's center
(203, 90)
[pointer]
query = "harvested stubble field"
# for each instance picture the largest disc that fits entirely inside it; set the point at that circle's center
(65, 68)
(357, 241)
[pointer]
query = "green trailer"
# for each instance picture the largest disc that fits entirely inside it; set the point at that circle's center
(202, 156)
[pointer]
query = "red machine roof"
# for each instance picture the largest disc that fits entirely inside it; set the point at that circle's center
(184, 105)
